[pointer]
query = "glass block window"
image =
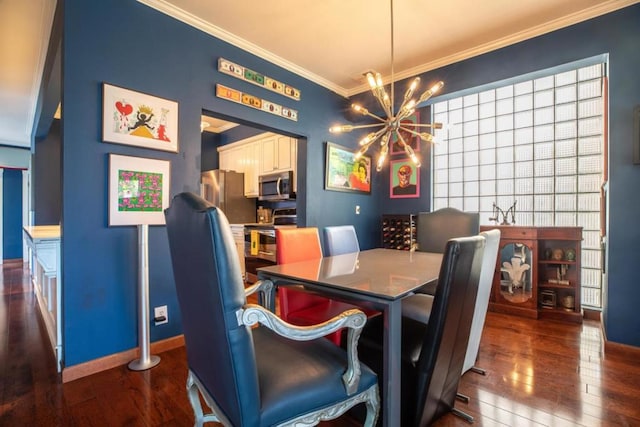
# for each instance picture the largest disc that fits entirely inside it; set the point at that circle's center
(539, 142)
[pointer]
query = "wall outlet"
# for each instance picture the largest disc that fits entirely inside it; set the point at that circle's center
(160, 315)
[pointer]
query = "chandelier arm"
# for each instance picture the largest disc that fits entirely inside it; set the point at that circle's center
(381, 95)
(404, 113)
(411, 131)
(426, 137)
(409, 151)
(428, 125)
(367, 113)
(371, 125)
(374, 136)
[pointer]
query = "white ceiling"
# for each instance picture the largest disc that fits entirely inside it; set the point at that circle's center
(331, 42)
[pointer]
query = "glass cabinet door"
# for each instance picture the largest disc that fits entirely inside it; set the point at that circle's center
(516, 272)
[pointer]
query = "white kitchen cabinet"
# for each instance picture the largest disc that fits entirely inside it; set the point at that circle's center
(231, 159)
(251, 154)
(261, 154)
(277, 154)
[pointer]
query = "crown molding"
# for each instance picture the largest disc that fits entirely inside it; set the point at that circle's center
(202, 25)
(556, 24)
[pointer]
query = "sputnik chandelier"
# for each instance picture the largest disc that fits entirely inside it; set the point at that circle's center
(394, 122)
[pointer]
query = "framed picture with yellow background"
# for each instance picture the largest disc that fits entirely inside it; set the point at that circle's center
(404, 181)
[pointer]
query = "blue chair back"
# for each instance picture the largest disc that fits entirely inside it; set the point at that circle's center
(340, 239)
(210, 290)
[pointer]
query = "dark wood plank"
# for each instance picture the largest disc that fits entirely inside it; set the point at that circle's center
(539, 373)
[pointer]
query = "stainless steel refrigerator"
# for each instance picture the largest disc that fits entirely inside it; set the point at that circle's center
(225, 189)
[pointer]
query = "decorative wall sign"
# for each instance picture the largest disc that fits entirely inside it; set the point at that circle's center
(255, 102)
(138, 190)
(256, 78)
(135, 118)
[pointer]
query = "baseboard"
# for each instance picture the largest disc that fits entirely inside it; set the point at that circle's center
(591, 314)
(618, 350)
(114, 360)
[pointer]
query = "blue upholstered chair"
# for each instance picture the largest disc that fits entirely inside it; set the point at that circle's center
(253, 376)
(433, 353)
(340, 239)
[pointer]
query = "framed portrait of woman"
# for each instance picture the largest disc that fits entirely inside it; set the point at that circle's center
(346, 173)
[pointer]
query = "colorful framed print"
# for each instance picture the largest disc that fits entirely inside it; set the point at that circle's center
(412, 140)
(344, 172)
(138, 190)
(404, 180)
(135, 118)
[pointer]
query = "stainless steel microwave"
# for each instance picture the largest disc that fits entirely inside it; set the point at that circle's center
(276, 186)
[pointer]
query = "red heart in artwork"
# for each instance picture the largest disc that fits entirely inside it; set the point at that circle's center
(125, 109)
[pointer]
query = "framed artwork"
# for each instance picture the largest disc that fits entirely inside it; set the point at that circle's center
(412, 140)
(344, 172)
(138, 190)
(135, 118)
(404, 180)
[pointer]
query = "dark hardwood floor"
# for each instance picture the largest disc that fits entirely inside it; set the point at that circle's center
(539, 373)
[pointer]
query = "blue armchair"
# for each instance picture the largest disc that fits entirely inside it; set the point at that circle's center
(250, 367)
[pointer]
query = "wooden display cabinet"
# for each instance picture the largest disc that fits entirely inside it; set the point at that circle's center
(559, 255)
(538, 272)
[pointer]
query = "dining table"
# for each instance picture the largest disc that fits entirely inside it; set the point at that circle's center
(376, 278)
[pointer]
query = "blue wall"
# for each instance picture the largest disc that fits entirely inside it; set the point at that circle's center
(131, 45)
(12, 214)
(125, 43)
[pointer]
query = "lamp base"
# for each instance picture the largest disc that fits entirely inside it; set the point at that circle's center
(143, 365)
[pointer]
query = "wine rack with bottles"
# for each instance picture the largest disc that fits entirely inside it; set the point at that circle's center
(399, 232)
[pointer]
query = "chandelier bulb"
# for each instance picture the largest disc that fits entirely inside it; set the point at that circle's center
(380, 163)
(367, 139)
(412, 87)
(379, 80)
(371, 80)
(436, 87)
(426, 137)
(341, 128)
(432, 91)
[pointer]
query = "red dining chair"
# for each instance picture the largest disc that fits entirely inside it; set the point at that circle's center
(298, 306)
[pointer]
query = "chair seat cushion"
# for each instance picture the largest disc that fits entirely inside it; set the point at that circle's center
(305, 375)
